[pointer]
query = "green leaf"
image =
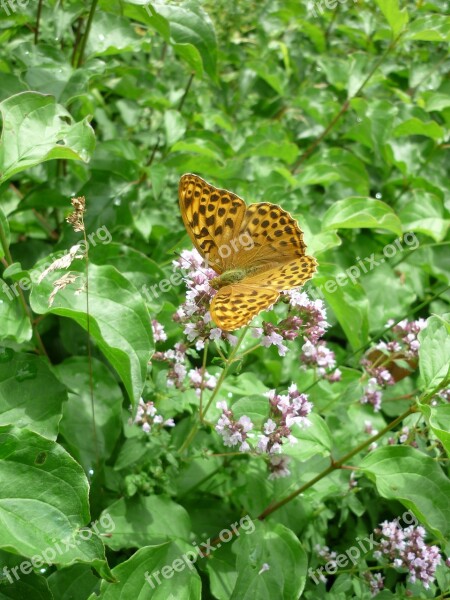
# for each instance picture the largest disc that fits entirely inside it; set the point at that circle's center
(16, 325)
(72, 583)
(312, 440)
(15, 585)
(414, 479)
(396, 17)
(434, 352)
(175, 126)
(144, 521)
(278, 547)
(423, 212)
(30, 394)
(354, 212)
(44, 502)
(429, 28)
(111, 34)
(349, 304)
(36, 129)
(438, 418)
(84, 443)
(119, 321)
(163, 571)
(415, 126)
(187, 28)
(5, 234)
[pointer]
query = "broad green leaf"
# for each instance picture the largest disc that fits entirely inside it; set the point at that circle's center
(429, 28)
(162, 571)
(175, 126)
(15, 322)
(17, 585)
(434, 352)
(415, 126)
(201, 147)
(36, 129)
(285, 151)
(77, 425)
(336, 164)
(118, 318)
(416, 480)
(354, 212)
(435, 101)
(276, 546)
(111, 34)
(30, 394)
(44, 502)
(312, 440)
(144, 521)
(350, 305)
(187, 28)
(438, 418)
(254, 407)
(396, 17)
(386, 306)
(423, 212)
(73, 583)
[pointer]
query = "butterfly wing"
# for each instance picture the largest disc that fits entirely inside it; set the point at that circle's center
(275, 234)
(285, 276)
(212, 218)
(235, 305)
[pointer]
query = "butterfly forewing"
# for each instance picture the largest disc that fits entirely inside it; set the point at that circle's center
(212, 218)
(275, 235)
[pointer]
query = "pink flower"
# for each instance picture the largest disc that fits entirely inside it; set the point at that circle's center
(146, 417)
(406, 548)
(159, 335)
(201, 381)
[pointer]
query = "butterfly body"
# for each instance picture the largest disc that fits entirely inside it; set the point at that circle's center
(228, 278)
(256, 250)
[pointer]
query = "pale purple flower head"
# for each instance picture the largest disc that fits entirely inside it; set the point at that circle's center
(406, 549)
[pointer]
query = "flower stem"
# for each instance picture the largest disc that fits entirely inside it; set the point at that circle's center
(232, 357)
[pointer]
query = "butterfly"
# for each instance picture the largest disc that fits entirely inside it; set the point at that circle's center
(256, 250)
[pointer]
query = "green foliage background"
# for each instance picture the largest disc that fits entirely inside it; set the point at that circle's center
(338, 111)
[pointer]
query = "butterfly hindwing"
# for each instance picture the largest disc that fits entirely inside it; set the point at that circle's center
(285, 276)
(235, 305)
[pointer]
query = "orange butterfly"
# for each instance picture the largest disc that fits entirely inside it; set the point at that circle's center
(257, 250)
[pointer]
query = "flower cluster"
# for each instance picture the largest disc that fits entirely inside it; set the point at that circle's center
(285, 412)
(322, 359)
(176, 359)
(375, 581)
(406, 549)
(147, 417)
(234, 433)
(200, 380)
(159, 335)
(194, 314)
(390, 361)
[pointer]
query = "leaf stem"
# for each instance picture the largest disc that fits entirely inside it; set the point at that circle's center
(86, 33)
